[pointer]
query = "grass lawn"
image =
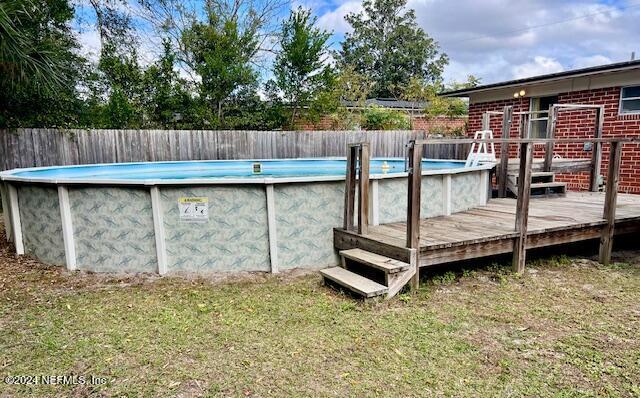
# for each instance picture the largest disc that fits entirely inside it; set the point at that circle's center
(567, 327)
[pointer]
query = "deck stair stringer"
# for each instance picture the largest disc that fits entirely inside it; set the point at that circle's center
(398, 280)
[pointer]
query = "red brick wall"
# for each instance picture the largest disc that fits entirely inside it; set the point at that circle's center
(436, 125)
(577, 124)
(325, 123)
(440, 124)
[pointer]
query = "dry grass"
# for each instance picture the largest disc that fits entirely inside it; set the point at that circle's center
(568, 327)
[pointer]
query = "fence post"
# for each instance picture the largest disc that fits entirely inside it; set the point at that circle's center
(610, 200)
(503, 168)
(363, 189)
(522, 207)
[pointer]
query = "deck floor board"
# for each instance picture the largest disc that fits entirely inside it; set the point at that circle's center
(490, 228)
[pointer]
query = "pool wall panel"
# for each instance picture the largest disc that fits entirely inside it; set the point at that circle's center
(392, 198)
(306, 214)
(235, 238)
(466, 191)
(113, 229)
(41, 225)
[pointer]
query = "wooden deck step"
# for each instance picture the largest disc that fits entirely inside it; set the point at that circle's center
(386, 264)
(547, 185)
(543, 184)
(543, 174)
(549, 189)
(536, 177)
(354, 282)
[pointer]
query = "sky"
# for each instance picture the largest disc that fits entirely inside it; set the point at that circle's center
(498, 40)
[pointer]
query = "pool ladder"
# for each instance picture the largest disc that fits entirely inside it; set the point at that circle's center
(481, 151)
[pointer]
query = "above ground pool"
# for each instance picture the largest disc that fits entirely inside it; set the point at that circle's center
(211, 216)
(187, 172)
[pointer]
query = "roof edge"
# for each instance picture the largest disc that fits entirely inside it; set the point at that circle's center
(615, 67)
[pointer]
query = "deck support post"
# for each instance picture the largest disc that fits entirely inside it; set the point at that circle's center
(522, 207)
(363, 189)
(507, 117)
(413, 204)
(350, 187)
(551, 132)
(611, 196)
(596, 156)
(14, 208)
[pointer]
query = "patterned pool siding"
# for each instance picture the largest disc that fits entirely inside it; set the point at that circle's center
(236, 237)
(113, 229)
(41, 223)
(305, 217)
(393, 198)
(465, 192)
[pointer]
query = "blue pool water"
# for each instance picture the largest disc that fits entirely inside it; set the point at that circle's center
(222, 169)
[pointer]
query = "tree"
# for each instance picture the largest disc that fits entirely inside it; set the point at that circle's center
(38, 67)
(166, 99)
(173, 18)
(122, 76)
(352, 90)
(389, 47)
(113, 21)
(221, 53)
(301, 68)
(24, 60)
(445, 106)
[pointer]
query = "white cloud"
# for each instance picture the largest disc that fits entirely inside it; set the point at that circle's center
(593, 60)
(495, 39)
(334, 20)
(539, 66)
(90, 44)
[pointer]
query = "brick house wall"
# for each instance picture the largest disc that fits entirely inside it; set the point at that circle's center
(435, 125)
(576, 124)
(440, 124)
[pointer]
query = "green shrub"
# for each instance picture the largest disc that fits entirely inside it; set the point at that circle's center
(377, 118)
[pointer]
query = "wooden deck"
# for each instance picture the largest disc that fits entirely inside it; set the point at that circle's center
(489, 230)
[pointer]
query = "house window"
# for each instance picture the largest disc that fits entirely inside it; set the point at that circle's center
(539, 118)
(630, 100)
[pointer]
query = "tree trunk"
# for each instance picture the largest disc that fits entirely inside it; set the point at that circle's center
(293, 116)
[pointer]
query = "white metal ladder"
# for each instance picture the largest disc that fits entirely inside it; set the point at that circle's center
(483, 151)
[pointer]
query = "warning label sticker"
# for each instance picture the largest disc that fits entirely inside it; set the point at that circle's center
(194, 209)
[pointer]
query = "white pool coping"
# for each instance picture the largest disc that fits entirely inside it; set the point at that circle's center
(10, 176)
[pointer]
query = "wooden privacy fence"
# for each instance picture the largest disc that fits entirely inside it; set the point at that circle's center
(49, 147)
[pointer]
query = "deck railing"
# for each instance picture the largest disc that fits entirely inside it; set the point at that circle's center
(508, 115)
(524, 189)
(358, 172)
